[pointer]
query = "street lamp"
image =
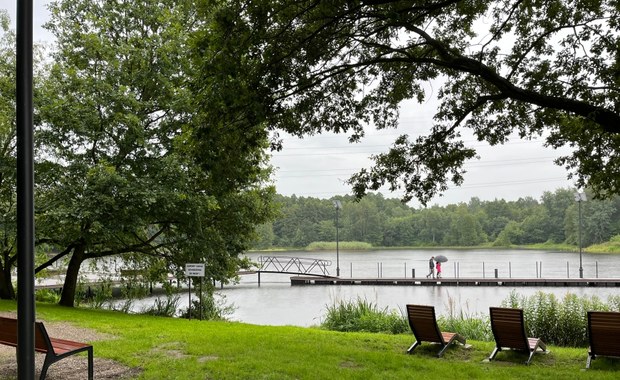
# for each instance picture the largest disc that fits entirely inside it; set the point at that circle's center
(579, 197)
(338, 206)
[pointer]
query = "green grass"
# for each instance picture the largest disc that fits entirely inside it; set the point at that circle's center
(344, 245)
(226, 350)
(612, 246)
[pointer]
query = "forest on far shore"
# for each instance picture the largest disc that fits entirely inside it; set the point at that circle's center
(384, 222)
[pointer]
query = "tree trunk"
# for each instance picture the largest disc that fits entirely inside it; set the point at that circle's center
(67, 298)
(7, 292)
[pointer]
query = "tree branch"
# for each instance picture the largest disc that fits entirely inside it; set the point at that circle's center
(607, 119)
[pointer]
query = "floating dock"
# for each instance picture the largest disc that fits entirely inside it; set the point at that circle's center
(512, 282)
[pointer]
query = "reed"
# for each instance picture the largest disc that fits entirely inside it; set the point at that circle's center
(459, 319)
(562, 322)
(363, 316)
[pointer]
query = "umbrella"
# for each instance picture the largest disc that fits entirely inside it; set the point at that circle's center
(441, 258)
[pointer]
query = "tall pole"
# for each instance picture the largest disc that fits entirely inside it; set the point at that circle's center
(580, 261)
(25, 193)
(337, 248)
(338, 206)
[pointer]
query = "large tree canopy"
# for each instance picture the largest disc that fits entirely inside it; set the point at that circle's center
(117, 172)
(8, 164)
(546, 68)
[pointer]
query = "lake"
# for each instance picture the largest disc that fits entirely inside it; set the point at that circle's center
(276, 302)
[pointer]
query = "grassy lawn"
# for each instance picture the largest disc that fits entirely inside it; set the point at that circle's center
(167, 348)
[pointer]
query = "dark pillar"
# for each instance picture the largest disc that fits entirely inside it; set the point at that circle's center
(25, 194)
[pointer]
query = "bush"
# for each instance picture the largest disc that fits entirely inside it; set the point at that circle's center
(163, 307)
(563, 323)
(47, 295)
(210, 308)
(362, 315)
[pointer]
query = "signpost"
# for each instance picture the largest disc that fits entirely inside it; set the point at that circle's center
(194, 270)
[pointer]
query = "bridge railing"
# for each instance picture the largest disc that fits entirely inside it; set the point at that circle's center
(298, 265)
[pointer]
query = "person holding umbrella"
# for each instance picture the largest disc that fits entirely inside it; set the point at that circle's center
(440, 259)
(431, 267)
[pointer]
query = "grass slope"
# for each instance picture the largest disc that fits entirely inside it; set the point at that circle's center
(167, 348)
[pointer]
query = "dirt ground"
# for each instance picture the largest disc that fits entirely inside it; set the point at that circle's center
(74, 367)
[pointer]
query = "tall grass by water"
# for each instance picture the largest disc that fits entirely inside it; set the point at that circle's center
(561, 322)
(344, 245)
(363, 315)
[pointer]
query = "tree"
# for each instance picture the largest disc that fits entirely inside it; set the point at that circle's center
(8, 163)
(511, 234)
(536, 227)
(597, 226)
(361, 221)
(434, 224)
(120, 174)
(465, 229)
(556, 204)
(536, 68)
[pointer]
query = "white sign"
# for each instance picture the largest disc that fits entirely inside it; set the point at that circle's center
(195, 270)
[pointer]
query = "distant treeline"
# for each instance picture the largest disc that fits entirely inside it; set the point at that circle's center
(389, 223)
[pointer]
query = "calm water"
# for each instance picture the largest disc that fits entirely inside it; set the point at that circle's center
(276, 302)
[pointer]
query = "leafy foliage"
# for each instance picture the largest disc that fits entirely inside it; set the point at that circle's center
(363, 315)
(560, 322)
(128, 162)
(310, 223)
(166, 307)
(8, 162)
(209, 306)
(532, 68)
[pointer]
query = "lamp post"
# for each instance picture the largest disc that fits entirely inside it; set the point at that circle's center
(338, 206)
(25, 192)
(579, 197)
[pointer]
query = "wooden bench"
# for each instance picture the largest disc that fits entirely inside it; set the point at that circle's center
(603, 334)
(54, 349)
(423, 324)
(508, 329)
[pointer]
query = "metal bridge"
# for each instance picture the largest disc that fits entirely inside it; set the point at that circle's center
(293, 265)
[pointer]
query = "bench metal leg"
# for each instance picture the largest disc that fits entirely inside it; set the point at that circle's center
(51, 359)
(530, 358)
(495, 351)
(90, 364)
(46, 364)
(413, 346)
(445, 347)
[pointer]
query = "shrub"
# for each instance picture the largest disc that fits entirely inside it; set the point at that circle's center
(563, 323)
(211, 308)
(47, 295)
(166, 307)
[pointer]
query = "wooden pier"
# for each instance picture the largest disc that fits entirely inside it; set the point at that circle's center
(512, 282)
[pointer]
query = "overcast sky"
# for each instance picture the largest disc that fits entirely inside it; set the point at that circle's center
(318, 166)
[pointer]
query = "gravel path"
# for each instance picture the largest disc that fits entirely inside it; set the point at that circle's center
(74, 367)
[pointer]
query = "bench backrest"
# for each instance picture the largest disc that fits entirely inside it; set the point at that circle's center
(8, 334)
(604, 332)
(508, 328)
(424, 324)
